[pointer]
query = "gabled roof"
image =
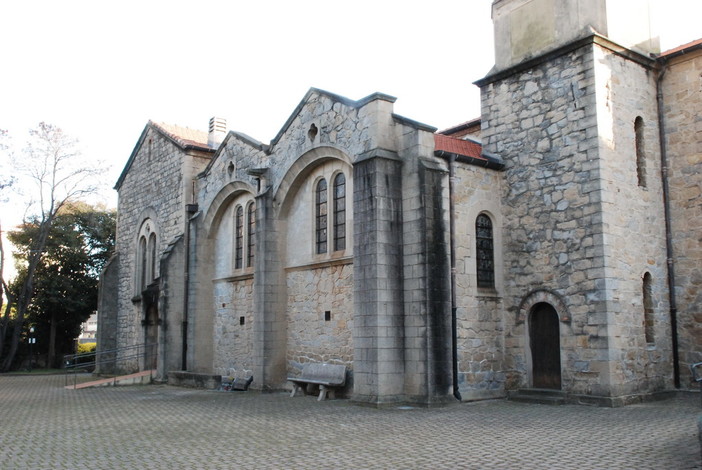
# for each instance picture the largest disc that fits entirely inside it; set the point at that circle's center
(341, 99)
(466, 151)
(460, 129)
(183, 137)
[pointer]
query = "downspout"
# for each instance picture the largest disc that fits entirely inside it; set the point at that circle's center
(668, 229)
(452, 234)
(190, 209)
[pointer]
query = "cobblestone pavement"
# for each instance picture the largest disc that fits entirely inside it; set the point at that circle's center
(44, 426)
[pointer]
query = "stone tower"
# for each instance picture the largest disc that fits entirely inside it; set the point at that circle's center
(528, 28)
(570, 107)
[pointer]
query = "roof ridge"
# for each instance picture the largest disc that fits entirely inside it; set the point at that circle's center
(185, 136)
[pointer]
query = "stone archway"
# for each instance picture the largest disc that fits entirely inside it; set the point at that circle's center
(545, 346)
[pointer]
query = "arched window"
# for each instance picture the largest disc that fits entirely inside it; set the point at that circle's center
(151, 263)
(339, 212)
(145, 256)
(141, 282)
(321, 216)
(640, 154)
(250, 235)
(484, 251)
(239, 237)
(647, 285)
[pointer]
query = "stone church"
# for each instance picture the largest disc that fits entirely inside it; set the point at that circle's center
(553, 244)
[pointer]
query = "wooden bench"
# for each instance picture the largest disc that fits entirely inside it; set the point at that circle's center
(326, 376)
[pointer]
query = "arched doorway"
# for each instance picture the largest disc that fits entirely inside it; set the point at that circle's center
(545, 345)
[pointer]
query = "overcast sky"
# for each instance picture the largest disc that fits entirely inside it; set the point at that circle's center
(101, 70)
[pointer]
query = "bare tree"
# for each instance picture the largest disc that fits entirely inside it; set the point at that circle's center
(57, 175)
(5, 182)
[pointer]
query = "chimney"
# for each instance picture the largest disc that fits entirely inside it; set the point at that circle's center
(218, 130)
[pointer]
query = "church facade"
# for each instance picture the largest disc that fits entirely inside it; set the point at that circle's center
(530, 249)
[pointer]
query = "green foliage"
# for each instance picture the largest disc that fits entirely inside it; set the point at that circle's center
(80, 242)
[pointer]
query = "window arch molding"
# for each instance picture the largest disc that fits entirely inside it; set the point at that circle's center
(465, 227)
(221, 202)
(146, 249)
(305, 166)
(296, 208)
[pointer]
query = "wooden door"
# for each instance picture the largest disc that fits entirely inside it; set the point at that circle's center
(545, 342)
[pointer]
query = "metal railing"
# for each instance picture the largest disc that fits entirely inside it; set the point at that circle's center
(88, 362)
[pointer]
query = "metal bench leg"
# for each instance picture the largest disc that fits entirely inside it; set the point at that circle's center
(296, 387)
(322, 393)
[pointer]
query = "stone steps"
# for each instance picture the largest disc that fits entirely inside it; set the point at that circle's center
(539, 396)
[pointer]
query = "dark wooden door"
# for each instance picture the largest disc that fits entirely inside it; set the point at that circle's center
(545, 341)
(151, 351)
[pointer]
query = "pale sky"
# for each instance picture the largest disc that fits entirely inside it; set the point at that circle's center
(101, 70)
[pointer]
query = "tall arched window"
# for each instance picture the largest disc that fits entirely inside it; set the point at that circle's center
(647, 285)
(251, 235)
(145, 256)
(151, 270)
(484, 251)
(339, 212)
(141, 282)
(238, 237)
(640, 153)
(321, 216)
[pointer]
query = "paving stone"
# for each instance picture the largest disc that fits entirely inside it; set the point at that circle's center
(160, 426)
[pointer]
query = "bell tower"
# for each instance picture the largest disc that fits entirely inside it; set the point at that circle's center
(527, 28)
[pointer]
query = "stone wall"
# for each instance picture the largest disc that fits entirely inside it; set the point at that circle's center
(480, 316)
(682, 101)
(233, 326)
(106, 335)
(379, 368)
(569, 212)
(632, 203)
(320, 316)
(142, 195)
(542, 123)
(171, 307)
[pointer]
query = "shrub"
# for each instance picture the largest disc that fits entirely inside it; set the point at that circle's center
(86, 348)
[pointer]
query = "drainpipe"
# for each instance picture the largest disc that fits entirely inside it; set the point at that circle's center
(668, 229)
(190, 209)
(452, 234)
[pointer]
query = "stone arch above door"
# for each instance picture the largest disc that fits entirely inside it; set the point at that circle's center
(542, 296)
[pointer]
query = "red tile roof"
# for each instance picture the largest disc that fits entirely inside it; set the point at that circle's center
(185, 136)
(689, 45)
(467, 148)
